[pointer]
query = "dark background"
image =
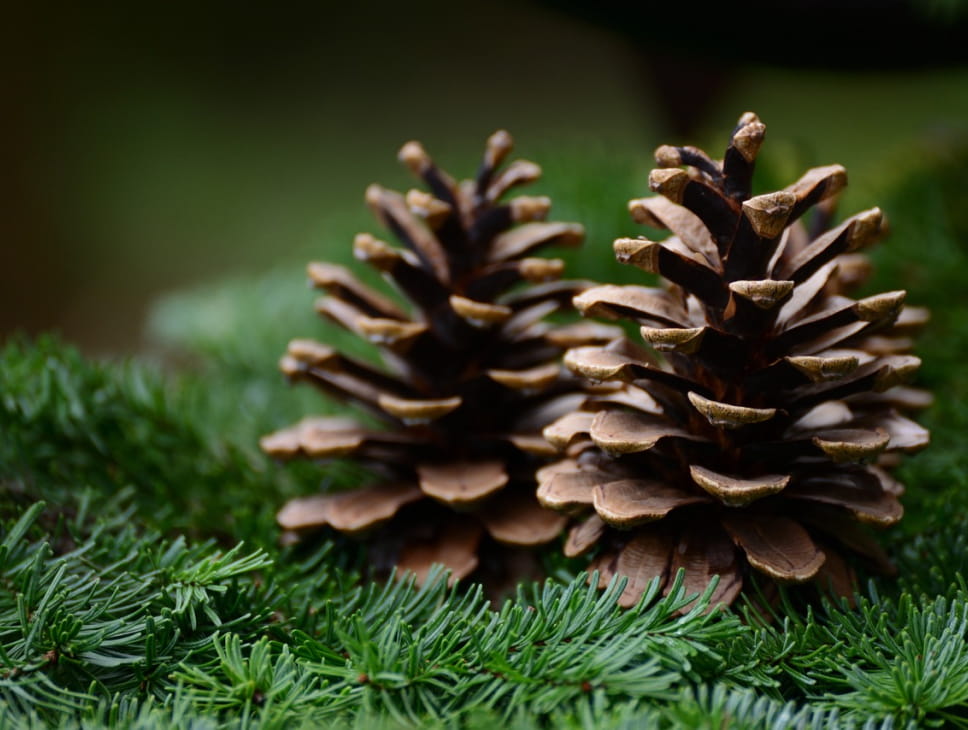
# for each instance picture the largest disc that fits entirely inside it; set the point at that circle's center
(151, 148)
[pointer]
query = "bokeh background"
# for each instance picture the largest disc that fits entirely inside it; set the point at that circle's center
(155, 149)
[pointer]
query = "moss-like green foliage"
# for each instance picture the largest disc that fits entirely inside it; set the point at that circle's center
(147, 590)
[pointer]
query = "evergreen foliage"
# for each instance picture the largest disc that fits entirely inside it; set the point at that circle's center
(141, 584)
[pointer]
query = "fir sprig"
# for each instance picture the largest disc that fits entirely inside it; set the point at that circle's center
(108, 615)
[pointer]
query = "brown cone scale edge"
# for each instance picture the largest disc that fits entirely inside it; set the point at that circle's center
(764, 408)
(471, 370)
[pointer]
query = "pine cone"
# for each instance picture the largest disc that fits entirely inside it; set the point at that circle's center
(747, 435)
(471, 375)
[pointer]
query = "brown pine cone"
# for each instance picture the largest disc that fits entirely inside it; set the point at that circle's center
(471, 371)
(756, 410)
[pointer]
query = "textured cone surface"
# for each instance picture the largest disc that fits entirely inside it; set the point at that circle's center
(765, 406)
(471, 369)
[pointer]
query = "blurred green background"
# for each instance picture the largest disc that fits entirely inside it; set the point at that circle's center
(149, 149)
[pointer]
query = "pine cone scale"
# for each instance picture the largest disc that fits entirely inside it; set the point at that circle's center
(737, 491)
(517, 519)
(705, 551)
(461, 482)
(644, 558)
(338, 281)
(348, 511)
(778, 547)
(454, 546)
(631, 502)
(686, 225)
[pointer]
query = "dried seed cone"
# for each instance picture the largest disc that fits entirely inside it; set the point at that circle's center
(748, 437)
(470, 371)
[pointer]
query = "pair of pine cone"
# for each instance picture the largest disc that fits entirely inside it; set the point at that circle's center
(752, 430)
